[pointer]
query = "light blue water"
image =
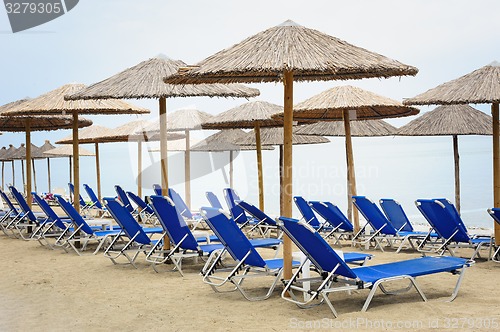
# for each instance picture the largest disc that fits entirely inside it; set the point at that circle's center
(404, 168)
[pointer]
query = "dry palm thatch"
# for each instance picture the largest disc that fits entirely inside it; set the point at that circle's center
(366, 128)
(145, 80)
(86, 135)
(274, 136)
(311, 55)
(246, 116)
(67, 151)
(53, 102)
(37, 122)
(10, 153)
(21, 152)
(331, 104)
(3, 153)
(225, 140)
(449, 120)
(38, 154)
(478, 87)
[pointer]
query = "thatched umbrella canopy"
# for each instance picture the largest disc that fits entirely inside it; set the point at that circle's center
(287, 53)
(21, 154)
(145, 80)
(255, 114)
(68, 151)
(185, 119)
(450, 120)
(3, 152)
(28, 122)
(481, 86)
(8, 156)
(342, 103)
(53, 103)
(226, 140)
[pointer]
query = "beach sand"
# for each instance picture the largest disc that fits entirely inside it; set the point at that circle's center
(49, 290)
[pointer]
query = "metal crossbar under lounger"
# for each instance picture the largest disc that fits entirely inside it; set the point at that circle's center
(333, 271)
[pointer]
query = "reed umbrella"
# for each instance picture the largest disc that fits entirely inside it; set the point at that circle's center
(340, 104)
(287, 53)
(3, 152)
(482, 86)
(274, 136)
(226, 140)
(144, 80)
(45, 147)
(367, 128)
(68, 151)
(450, 120)
(185, 119)
(22, 155)
(28, 121)
(255, 114)
(8, 156)
(53, 103)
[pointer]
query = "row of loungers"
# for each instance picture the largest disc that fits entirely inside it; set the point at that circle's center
(130, 239)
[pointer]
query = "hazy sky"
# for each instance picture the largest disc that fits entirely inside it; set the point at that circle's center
(98, 38)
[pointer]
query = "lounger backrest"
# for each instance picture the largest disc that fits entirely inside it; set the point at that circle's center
(306, 211)
(315, 247)
(332, 214)
(126, 221)
(122, 196)
(92, 196)
(373, 215)
(8, 201)
(441, 220)
(257, 213)
(237, 212)
(48, 210)
(396, 215)
(213, 200)
(172, 222)
(157, 189)
(180, 204)
(72, 190)
(495, 214)
(236, 243)
(139, 202)
(73, 214)
(22, 203)
(454, 213)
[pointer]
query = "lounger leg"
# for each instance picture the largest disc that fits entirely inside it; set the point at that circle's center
(330, 305)
(457, 286)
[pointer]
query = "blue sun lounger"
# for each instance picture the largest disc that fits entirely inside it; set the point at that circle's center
(157, 189)
(94, 204)
(146, 213)
(12, 213)
(396, 215)
(83, 232)
(342, 227)
(382, 227)
(193, 218)
(83, 205)
(213, 200)
(264, 223)
(122, 196)
(133, 240)
(495, 214)
(237, 213)
(249, 263)
(27, 223)
(335, 275)
(446, 222)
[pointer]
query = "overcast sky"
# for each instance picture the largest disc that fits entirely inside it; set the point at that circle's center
(98, 38)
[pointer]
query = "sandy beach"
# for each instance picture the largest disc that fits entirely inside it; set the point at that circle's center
(49, 290)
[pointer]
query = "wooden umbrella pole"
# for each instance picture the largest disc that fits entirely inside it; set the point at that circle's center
(34, 174)
(98, 171)
(350, 166)
(76, 163)
(231, 184)
(23, 176)
(13, 175)
(349, 202)
(48, 174)
(259, 165)
(70, 174)
(187, 170)
(281, 179)
(287, 168)
(3, 175)
(139, 168)
(456, 158)
(496, 166)
(28, 161)
(164, 156)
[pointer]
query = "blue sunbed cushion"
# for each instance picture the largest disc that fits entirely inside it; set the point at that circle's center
(350, 257)
(208, 248)
(277, 263)
(412, 267)
(257, 243)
